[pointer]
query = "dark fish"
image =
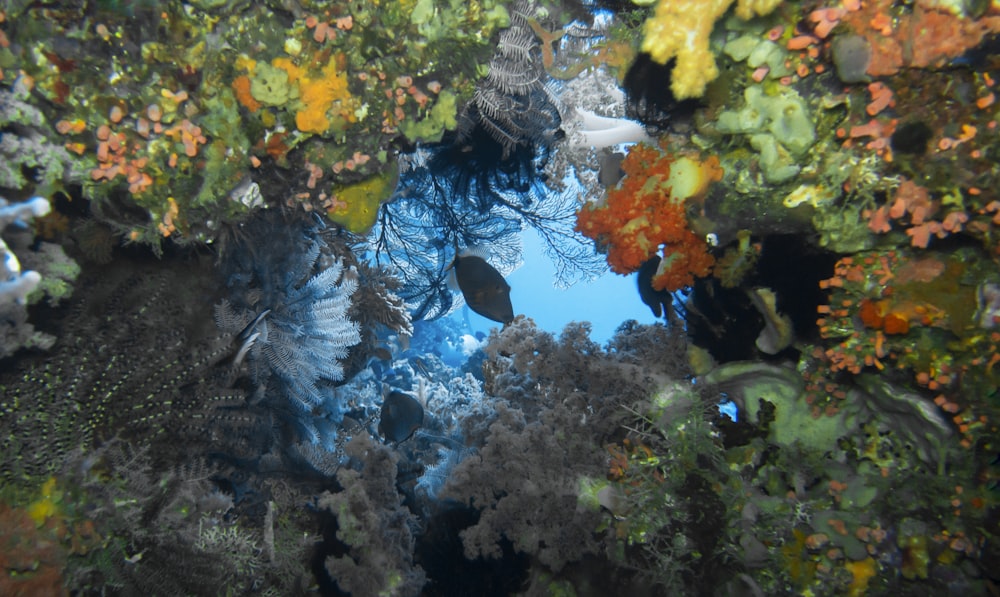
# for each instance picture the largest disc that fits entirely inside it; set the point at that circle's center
(660, 301)
(610, 169)
(402, 414)
(484, 289)
(248, 336)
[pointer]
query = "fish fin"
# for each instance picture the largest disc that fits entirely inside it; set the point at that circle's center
(453, 278)
(476, 251)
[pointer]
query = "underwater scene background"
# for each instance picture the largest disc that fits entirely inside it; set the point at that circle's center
(295, 297)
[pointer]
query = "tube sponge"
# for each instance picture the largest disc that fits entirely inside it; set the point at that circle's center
(600, 131)
(779, 126)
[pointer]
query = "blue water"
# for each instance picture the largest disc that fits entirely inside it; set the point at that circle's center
(605, 302)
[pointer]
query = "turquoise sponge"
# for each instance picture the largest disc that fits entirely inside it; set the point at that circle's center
(780, 129)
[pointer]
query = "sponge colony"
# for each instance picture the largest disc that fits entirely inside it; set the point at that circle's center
(779, 126)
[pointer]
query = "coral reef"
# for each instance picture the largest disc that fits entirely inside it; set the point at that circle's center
(540, 387)
(459, 196)
(17, 284)
(880, 448)
(131, 380)
(158, 522)
(513, 104)
(928, 298)
(810, 199)
(32, 163)
(778, 126)
(307, 315)
(167, 124)
(670, 513)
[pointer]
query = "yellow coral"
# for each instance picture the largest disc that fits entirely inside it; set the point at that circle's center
(680, 29)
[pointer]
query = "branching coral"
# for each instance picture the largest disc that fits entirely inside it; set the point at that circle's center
(375, 527)
(15, 285)
(646, 212)
(31, 162)
(536, 476)
(664, 489)
(46, 270)
(680, 29)
(175, 519)
(557, 404)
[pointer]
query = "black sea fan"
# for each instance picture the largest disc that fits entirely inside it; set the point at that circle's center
(461, 196)
(488, 185)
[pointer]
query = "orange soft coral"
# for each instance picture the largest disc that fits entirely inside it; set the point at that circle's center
(643, 214)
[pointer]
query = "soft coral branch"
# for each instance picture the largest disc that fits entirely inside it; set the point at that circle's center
(644, 214)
